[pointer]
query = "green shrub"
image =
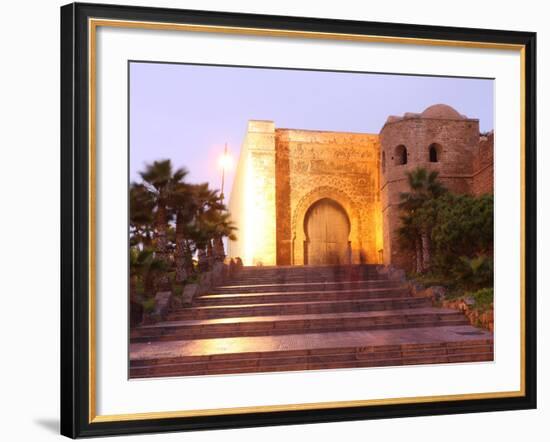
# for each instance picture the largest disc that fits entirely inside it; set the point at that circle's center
(177, 289)
(451, 233)
(430, 279)
(483, 298)
(473, 273)
(192, 279)
(463, 226)
(148, 305)
(140, 289)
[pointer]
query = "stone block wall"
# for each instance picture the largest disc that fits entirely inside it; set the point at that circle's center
(252, 201)
(483, 174)
(344, 167)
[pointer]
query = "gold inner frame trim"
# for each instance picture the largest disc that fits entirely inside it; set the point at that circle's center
(93, 24)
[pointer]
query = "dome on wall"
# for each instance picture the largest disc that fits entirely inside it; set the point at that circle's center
(441, 112)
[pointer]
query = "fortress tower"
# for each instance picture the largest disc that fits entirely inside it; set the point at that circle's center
(437, 139)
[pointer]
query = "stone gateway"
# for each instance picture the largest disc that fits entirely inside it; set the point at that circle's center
(327, 234)
(318, 197)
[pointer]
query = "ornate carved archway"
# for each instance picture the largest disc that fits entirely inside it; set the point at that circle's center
(298, 218)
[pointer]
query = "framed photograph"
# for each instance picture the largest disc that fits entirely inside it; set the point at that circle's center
(274, 220)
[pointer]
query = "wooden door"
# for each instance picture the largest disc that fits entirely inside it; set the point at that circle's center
(327, 231)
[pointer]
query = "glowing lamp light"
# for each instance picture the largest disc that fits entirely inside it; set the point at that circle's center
(226, 162)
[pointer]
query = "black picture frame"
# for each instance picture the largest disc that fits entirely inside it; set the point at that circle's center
(76, 418)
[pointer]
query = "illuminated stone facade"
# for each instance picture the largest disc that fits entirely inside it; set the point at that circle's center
(289, 179)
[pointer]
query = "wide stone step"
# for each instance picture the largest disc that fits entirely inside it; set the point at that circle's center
(305, 286)
(300, 296)
(301, 279)
(304, 363)
(220, 368)
(298, 308)
(471, 348)
(340, 353)
(337, 273)
(304, 276)
(291, 324)
(323, 275)
(308, 269)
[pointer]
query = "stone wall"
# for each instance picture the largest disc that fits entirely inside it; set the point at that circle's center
(344, 167)
(252, 200)
(483, 179)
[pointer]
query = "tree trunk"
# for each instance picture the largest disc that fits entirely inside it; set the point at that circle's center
(147, 237)
(188, 258)
(149, 284)
(210, 254)
(219, 252)
(162, 282)
(203, 260)
(133, 287)
(418, 250)
(181, 272)
(425, 236)
(161, 227)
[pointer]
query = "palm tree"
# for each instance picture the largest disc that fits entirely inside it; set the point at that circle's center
(424, 187)
(139, 261)
(184, 206)
(224, 227)
(160, 180)
(409, 238)
(141, 216)
(153, 275)
(212, 224)
(145, 267)
(208, 205)
(176, 219)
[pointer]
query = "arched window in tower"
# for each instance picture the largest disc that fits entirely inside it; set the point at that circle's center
(400, 155)
(383, 161)
(435, 153)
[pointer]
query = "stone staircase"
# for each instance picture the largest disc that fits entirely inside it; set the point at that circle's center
(299, 318)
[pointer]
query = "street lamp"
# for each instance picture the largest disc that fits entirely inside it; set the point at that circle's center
(225, 163)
